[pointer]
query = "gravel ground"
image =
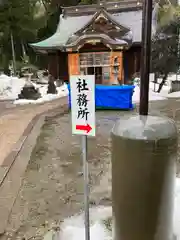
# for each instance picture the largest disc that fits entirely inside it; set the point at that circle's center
(52, 188)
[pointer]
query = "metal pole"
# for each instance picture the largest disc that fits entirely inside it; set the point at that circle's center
(86, 187)
(145, 56)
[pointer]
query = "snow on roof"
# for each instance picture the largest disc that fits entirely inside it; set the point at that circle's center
(69, 25)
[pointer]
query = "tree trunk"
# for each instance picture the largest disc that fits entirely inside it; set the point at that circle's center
(162, 83)
(5, 63)
(23, 50)
(13, 55)
(45, 6)
(155, 78)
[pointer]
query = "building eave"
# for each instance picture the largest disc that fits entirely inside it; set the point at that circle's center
(46, 48)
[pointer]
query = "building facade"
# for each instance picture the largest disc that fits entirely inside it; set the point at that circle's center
(103, 39)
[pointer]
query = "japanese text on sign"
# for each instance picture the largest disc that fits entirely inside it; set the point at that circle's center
(82, 100)
(83, 105)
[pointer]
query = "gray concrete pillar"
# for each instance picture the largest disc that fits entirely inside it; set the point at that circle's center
(144, 151)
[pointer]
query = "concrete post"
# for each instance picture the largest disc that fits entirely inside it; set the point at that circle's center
(144, 150)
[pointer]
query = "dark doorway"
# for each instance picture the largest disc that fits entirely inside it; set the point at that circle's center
(97, 71)
(90, 71)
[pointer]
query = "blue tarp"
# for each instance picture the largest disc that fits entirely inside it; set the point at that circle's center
(114, 97)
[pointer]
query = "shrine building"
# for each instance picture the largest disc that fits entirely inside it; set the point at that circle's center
(103, 39)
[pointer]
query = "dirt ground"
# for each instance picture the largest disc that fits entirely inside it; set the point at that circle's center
(52, 188)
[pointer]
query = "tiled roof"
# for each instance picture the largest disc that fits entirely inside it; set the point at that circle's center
(71, 24)
(132, 20)
(66, 27)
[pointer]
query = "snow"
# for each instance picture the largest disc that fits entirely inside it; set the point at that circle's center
(153, 87)
(62, 91)
(174, 95)
(10, 87)
(73, 228)
(153, 96)
(174, 77)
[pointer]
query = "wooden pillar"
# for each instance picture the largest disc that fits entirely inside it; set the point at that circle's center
(57, 64)
(73, 63)
(111, 75)
(121, 68)
(53, 64)
(135, 62)
(63, 66)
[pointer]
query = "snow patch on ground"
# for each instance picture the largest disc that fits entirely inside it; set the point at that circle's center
(174, 95)
(153, 96)
(62, 91)
(153, 87)
(73, 228)
(10, 87)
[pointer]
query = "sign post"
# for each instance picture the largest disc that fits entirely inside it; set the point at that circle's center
(86, 187)
(83, 123)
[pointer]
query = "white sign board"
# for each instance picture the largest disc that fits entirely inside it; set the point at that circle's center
(83, 104)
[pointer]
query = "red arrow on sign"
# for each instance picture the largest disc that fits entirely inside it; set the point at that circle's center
(86, 128)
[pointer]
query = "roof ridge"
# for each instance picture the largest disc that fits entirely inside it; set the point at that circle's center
(110, 7)
(96, 15)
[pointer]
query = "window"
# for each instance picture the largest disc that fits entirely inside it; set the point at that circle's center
(95, 59)
(83, 71)
(106, 73)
